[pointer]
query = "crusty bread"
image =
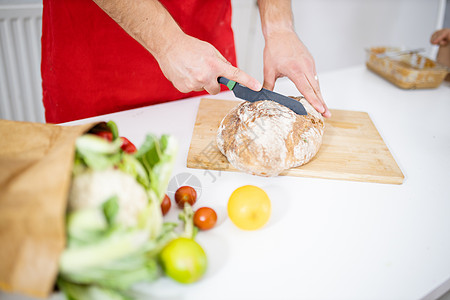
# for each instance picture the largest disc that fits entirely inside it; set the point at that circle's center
(265, 138)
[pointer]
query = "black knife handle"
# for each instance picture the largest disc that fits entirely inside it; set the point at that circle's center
(225, 81)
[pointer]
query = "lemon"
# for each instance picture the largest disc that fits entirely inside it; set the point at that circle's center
(249, 207)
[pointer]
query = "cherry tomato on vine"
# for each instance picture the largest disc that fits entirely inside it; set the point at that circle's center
(165, 205)
(127, 146)
(105, 135)
(185, 194)
(205, 218)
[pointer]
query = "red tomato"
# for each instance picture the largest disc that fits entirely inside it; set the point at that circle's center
(205, 218)
(106, 135)
(127, 146)
(165, 205)
(185, 194)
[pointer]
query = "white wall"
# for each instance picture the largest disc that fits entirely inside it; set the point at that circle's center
(337, 31)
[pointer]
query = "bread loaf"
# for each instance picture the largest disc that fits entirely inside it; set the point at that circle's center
(265, 138)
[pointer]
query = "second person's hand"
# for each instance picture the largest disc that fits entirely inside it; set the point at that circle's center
(441, 37)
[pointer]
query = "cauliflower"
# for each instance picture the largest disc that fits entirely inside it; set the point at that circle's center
(93, 188)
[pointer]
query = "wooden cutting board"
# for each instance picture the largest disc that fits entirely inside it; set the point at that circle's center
(352, 148)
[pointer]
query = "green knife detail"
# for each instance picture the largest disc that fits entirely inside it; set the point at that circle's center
(231, 84)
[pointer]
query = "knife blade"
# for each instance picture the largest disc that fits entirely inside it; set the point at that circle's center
(247, 94)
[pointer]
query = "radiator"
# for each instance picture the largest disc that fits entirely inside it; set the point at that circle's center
(20, 57)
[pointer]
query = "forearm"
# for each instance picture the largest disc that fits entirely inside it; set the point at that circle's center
(189, 63)
(147, 21)
(276, 16)
(443, 57)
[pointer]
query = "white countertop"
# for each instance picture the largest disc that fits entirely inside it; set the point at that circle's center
(326, 239)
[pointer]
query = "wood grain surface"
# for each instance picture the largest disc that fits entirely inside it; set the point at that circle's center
(352, 148)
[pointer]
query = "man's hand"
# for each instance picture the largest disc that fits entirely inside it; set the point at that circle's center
(285, 55)
(193, 65)
(190, 64)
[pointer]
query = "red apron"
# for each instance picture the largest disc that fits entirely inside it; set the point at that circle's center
(91, 66)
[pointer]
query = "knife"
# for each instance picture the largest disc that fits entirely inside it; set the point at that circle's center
(247, 94)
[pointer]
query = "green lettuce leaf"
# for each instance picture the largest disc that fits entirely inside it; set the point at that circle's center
(158, 157)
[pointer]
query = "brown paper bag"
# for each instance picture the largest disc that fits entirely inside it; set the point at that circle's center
(35, 170)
